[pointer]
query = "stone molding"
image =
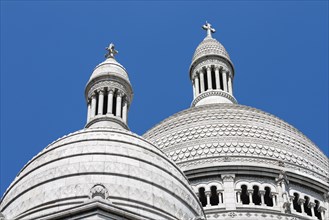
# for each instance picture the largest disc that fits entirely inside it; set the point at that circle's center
(215, 62)
(213, 93)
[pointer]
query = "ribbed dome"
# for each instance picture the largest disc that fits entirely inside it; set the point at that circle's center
(109, 67)
(219, 135)
(117, 165)
(210, 47)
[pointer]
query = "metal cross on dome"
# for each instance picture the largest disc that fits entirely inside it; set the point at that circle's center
(209, 29)
(111, 51)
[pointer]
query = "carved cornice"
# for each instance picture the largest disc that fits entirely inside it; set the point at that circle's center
(213, 93)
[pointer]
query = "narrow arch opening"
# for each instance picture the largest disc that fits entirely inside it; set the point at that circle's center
(97, 100)
(114, 106)
(316, 210)
(202, 196)
(295, 203)
(244, 195)
(214, 200)
(105, 104)
(205, 75)
(221, 81)
(267, 197)
(255, 196)
(307, 210)
(213, 79)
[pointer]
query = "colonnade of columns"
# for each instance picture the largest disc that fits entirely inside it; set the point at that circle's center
(212, 78)
(256, 196)
(210, 198)
(108, 101)
(304, 205)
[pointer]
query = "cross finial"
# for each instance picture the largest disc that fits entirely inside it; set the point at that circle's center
(209, 29)
(111, 51)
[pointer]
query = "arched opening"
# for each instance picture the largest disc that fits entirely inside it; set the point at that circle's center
(105, 104)
(316, 210)
(255, 196)
(214, 200)
(307, 210)
(221, 82)
(213, 79)
(205, 75)
(295, 203)
(202, 196)
(267, 197)
(244, 195)
(114, 105)
(97, 100)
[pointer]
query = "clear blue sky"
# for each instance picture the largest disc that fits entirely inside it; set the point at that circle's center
(49, 49)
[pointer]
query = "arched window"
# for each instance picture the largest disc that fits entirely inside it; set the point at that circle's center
(267, 197)
(255, 196)
(244, 195)
(214, 200)
(295, 203)
(306, 208)
(202, 196)
(316, 210)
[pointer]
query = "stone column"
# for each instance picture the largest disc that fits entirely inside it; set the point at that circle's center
(238, 194)
(201, 80)
(217, 78)
(209, 77)
(250, 192)
(262, 194)
(88, 110)
(224, 74)
(100, 102)
(125, 110)
(273, 198)
(208, 198)
(322, 211)
(193, 86)
(93, 105)
(301, 203)
(196, 85)
(229, 193)
(110, 101)
(230, 84)
(119, 100)
(311, 205)
(219, 193)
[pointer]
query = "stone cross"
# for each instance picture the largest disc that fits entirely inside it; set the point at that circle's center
(209, 29)
(111, 51)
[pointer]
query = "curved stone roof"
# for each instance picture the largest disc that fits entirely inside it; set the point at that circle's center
(109, 67)
(117, 165)
(210, 47)
(230, 135)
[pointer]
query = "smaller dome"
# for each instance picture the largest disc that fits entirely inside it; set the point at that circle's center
(109, 67)
(210, 47)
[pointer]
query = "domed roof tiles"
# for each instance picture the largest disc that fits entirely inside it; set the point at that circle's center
(132, 171)
(206, 135)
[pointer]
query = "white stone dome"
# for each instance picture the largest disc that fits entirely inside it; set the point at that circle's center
(232, 135)
(110, 67)
(115, 166)
(210, 47)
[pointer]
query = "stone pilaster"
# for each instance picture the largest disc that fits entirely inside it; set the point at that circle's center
(110, 101)
(100, 102)
(209, 80)
(119, 104)
(229, 193)
(202, 88)
(93, 105)
(224, 77)
(217, 77)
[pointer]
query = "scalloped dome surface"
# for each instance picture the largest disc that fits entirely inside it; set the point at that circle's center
(136, 174)
(210, 46)
(109, 67)
(231, 134)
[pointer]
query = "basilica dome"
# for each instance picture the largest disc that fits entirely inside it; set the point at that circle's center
(233, 135)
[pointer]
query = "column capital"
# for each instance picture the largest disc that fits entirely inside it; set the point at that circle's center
(250, 191)
(262, 192)
(101, 91)
(207, 193)
(219, 191)
(120, 94)
(322, 209)
(208, 67)
(301, 201)
(216, 67)
(311, 205)
(238, 190)
(93, 94)
(274, 193)
(110, 90)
